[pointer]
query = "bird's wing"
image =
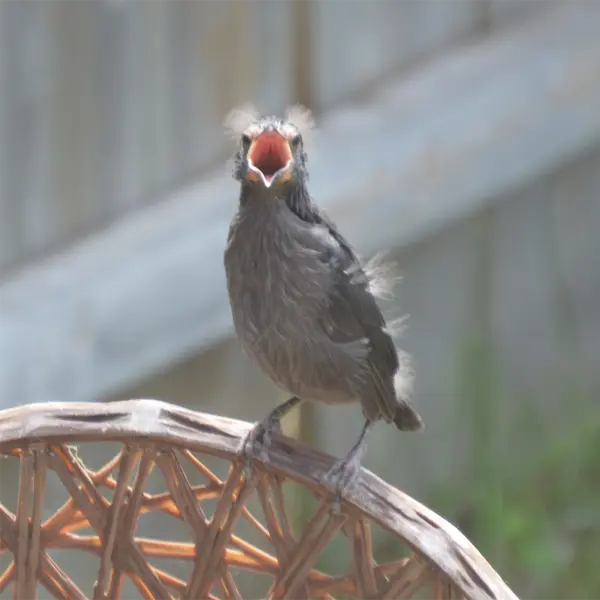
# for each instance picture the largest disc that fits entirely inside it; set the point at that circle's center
(352, 314)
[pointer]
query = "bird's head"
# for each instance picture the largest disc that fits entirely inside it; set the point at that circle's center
(271, 152)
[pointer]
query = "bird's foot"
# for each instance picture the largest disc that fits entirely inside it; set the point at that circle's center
(256, 443)
(344, 471)
(339, 477)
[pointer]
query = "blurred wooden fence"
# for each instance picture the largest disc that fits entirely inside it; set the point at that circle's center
(109, 106)
(106, 104)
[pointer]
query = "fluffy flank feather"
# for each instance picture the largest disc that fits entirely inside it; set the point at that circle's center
(395, 326)
(406, 418)
(382, 276)
(382, 279)
(403, 380)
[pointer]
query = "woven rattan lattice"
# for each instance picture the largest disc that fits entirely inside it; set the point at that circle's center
(434, 558)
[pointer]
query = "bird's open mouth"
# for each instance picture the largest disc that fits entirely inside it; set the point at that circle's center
(269, 154)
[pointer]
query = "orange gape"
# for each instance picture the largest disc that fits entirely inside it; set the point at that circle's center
(269, 153)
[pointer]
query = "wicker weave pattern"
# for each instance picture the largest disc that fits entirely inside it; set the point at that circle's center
(170, 439)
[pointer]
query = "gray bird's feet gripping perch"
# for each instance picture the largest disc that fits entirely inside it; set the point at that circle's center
(260, 435)
(343, 471)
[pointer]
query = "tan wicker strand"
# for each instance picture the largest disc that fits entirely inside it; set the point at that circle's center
(173, 443)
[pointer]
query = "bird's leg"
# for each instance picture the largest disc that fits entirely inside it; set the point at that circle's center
(343, 471)
(260, 434)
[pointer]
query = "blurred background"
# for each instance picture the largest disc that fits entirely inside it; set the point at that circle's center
(460, 136)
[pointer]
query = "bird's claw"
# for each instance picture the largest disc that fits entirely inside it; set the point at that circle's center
(259, 435)
(339, 477)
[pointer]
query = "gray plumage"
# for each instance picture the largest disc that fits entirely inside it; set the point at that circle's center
(302, 304)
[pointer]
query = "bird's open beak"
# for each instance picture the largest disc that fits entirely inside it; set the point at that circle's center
(270, 159)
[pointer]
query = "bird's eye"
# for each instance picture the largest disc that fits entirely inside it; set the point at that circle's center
(246, 140)
(295, 141)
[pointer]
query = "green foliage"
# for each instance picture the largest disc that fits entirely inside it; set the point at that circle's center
(541, 529)
(534, 513)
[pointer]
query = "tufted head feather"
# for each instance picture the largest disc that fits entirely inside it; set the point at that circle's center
(301, 118)
(238, 119)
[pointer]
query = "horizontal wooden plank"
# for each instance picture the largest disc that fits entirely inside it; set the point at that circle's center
(432, 148)
(503, 12)
(382, 38)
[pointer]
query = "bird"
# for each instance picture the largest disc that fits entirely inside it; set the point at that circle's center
(303, 304)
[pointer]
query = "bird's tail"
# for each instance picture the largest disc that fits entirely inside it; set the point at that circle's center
(407, 418)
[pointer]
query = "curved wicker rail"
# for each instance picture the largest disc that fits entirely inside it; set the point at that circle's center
(441, 562)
